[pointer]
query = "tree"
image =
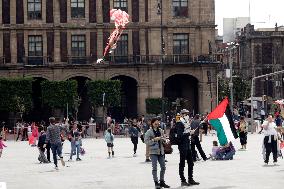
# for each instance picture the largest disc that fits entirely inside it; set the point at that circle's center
(111, 89)
(16, 94)
(56, 94)
(241, 89)
(154, 105)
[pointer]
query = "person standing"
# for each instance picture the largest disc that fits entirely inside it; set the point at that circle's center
(53, 136)
(109, 138)
(242, 126)
(270, 139)
(134, 134)
(155, 137)
(183, 134)
(195, 142)
(2, 145)
(75, 137)
(146, 127)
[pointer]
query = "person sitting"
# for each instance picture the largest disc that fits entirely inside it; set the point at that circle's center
(215, 148)
(226, 153)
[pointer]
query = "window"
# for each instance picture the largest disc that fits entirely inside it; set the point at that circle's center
(181, 44)
(34, 9)
(120, 4)
(121, 51)
(181, 51)
(78, 8)
(35, 50)
(78, 49)
(180, 8)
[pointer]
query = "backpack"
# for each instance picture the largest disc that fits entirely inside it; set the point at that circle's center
(173, 136)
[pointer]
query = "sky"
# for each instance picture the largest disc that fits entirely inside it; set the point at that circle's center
(264, 13)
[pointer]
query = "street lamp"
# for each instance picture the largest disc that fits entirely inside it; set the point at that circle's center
(160, 12)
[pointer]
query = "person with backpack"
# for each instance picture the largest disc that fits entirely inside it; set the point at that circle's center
(183, 133)
(146, 127)
(109, 138)
(134, 131)
(155, 138)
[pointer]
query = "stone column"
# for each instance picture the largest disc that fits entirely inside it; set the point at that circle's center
(142, 42)
(100, 43)
(13, 41)
(1, 44)
(141, 10)
(12, 12)
(57, 57)
(142, 94)
(99, 11)
(1, 13)
(56, 12)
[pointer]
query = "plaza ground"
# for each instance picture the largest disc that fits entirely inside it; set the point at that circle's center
(20, 169)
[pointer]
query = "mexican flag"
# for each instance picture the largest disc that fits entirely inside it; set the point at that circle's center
(221, 119)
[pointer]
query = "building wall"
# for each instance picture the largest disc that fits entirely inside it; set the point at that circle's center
(232, 26)
(199, 25)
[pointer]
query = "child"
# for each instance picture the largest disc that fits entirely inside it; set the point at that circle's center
(2, 145)
(109, 140)
(215, 148)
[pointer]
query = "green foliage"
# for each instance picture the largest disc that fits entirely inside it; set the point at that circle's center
(16, 94)
(154, 105)
(111, 88)
(56, 94)
(241, 89)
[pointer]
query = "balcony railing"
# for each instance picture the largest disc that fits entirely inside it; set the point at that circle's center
(115, 60)
(36, 61)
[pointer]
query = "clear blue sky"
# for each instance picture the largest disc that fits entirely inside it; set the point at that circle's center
(264, 13)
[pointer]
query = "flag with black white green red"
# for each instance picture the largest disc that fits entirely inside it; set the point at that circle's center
(221, 119)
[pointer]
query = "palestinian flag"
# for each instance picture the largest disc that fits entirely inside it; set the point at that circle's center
(221, 119)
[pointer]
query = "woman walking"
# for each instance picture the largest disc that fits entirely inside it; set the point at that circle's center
(109, 138)
(155, 138)
(134, 131)
(242, 126)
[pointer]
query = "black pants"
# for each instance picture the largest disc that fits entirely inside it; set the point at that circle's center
(270, 147)
(185, 154)
(25, 134)
(19, 134)
(134, 140)
(48, 152)
(195, 142)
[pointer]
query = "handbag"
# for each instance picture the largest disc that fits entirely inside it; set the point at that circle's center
(167, 148)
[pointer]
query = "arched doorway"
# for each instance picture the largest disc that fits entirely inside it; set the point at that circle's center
(39, 112)
(128, 99)
(185, 88)
(85, 107)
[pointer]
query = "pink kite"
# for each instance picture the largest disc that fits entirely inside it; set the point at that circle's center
(120, 18)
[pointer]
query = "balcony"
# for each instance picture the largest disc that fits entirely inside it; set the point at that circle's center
(79, 60)
(36, 60)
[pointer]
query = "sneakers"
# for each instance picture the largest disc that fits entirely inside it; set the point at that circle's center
(56, 168)
(275, 163)
(78, 159)
(69, 159)
(112, 153)
(147, 160)
(134, 155)
(157, 185)
(192, 182)
(164, 185)
(62, 162)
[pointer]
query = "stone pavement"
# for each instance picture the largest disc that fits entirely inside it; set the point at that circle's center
(20, 169)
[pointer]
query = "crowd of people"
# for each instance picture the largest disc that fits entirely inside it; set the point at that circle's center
(185, 132)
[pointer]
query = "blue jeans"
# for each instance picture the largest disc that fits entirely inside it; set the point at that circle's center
(56, 151)
(161, 160)
(75, 146)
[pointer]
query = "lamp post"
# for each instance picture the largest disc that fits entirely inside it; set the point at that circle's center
(160, 12)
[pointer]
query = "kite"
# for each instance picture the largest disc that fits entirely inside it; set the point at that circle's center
(121, 19)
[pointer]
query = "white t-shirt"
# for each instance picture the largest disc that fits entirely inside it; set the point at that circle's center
(270, 129)
(262, 112)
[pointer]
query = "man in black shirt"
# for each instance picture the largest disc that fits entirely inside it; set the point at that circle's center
(195, 142)
(183, 134)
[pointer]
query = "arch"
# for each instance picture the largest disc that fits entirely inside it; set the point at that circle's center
(196, 75)
(85, 109)
(39, 111)
(133, 76)
(185, 87)
(74, 75)
(129, 98)
(46, 77)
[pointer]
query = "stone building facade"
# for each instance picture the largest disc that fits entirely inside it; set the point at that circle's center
(62, 39)
(258, 53)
